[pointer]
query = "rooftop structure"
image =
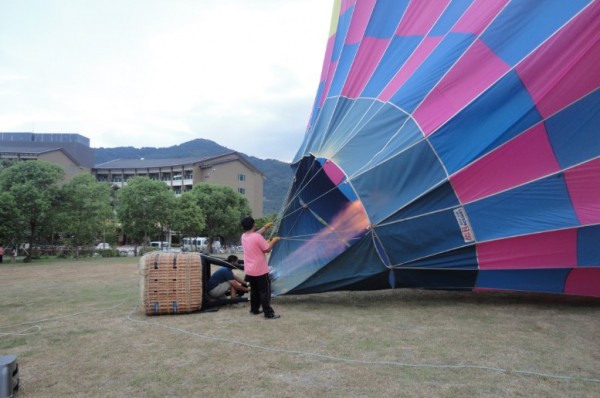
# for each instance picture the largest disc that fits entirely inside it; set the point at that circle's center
(76, 146)
(182, 175)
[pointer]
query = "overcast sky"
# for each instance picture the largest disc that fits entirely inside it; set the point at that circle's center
(243, 73)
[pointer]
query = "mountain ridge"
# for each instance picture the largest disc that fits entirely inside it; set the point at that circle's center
(278, 174)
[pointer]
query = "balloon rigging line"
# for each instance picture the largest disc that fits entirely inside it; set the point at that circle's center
(417, 47)
(319, 219)
(458, 59)
(296, 352)
(285, 207)
(24, 332)
(306, 204)
(379, 61)
(363, 169)
(351, 133)
(331, 229)
(357, 126)
(511, 69)
(422, 195)
(311, 237)
(326, 128)
(425, 97)
(38, 328)
(299, 191)
(359, 361)
(301, 185)
(462, 56)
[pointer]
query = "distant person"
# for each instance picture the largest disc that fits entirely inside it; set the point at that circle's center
(256, 267)
(1, 252)
(224, 282)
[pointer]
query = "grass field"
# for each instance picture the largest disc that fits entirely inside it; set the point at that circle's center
(77, 330)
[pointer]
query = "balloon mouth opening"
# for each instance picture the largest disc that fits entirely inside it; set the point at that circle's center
(322, 219)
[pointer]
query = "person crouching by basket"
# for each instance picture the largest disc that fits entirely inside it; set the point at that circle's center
(256, 267)
(224, 282)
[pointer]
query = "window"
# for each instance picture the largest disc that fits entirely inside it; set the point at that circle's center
(242, 191)
(241, 177)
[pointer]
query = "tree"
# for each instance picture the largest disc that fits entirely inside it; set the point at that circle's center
(85, 208)
(9, 214)
(6, 163)
(144, 207)
(223, 207)
(188, 217)
(33, 186)
(269, 218)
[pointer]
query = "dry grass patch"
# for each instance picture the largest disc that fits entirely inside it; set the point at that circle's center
(83, 335)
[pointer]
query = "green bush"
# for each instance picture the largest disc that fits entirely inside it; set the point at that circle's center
(109, 253)
(148, 249)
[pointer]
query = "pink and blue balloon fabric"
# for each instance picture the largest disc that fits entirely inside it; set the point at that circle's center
(451, 145)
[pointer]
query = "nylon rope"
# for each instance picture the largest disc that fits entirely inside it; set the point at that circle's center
(360, 361)
(295, 352)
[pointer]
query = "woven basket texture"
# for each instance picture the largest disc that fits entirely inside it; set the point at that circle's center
(171, 283)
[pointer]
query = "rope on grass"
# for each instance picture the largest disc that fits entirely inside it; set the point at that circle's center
(361, 361)
(25, 332)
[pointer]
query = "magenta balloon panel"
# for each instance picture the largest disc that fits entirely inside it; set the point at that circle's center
(452, 145)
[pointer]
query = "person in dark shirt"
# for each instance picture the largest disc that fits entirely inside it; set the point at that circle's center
(223, 281)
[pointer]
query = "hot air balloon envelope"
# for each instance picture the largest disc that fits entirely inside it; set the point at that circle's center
(452, 145)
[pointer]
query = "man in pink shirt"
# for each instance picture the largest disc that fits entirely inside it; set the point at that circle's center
(256, 267)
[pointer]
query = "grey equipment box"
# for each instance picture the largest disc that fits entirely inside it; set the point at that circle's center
(9, 376)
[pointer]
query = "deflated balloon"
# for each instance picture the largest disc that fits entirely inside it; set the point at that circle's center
(452, 145)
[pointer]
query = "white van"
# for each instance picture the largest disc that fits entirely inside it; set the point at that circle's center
(160, 245)
(195, 244)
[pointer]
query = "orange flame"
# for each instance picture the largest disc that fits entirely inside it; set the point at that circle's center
(332, 240)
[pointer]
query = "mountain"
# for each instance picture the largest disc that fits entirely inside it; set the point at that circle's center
(279, 174)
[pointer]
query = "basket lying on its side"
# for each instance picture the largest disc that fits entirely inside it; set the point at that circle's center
(171, 283)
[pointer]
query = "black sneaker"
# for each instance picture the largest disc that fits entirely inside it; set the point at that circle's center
(273, 316)
(256, 312)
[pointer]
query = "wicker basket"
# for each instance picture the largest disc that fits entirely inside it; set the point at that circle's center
(171, 283)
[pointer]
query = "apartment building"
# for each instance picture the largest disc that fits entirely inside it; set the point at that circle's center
(73, 153)
(70, 151)
(181, 175)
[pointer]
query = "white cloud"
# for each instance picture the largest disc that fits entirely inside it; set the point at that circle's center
(155, 73)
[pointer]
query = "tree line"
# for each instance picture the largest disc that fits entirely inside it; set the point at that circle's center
(36, 206)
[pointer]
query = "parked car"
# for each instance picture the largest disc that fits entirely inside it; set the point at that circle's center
(195, 244)
(216, 247)
(160, 245)
(102, 246)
